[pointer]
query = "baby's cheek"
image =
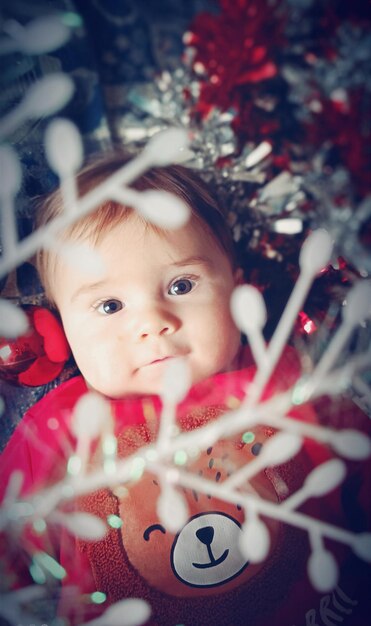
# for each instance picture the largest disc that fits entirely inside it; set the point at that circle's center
(103, 366)
(215, 351)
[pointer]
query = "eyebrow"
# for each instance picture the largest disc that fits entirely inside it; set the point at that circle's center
(193, 260)
(85, 289)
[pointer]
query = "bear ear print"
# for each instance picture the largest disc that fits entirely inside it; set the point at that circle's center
(39, 355)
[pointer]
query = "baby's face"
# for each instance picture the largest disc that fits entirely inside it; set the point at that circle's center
(162, 296)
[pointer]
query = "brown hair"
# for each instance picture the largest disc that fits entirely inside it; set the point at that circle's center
(175, 179)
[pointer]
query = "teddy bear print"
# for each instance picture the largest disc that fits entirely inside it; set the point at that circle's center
(205, 554)
(201, 565)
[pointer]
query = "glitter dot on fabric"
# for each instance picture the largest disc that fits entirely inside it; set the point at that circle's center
(114, 521)
(248, 437)
(98, 597)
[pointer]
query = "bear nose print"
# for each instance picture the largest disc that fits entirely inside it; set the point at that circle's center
(205, 535)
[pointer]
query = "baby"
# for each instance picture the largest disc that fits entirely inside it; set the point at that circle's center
(163, 294)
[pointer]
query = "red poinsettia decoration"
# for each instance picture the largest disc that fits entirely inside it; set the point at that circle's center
(342, 125)
(236, 48)
(38, 356)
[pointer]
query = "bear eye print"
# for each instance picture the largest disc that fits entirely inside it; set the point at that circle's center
(152, 528)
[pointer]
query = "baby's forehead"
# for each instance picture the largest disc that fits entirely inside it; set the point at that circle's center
(95, 229)
(128, 234)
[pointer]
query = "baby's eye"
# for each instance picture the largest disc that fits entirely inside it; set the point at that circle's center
(108, 307)
(181, 287)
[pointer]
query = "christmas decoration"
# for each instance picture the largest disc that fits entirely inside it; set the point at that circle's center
(276, 96)
(38, 356)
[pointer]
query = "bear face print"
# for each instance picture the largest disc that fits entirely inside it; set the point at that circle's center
(206, 551)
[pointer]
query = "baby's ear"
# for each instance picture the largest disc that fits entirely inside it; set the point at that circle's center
(238, 276)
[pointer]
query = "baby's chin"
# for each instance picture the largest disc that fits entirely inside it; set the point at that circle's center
(129, 391)
(130, 388)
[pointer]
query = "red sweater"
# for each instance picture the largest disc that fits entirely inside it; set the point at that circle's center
(141, 559)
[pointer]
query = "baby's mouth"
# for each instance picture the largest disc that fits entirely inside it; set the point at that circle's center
(165, 358)
(159, 361)
(156, 362)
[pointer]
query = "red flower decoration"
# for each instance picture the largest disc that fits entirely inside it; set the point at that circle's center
(237, 49)
(38, 356)
(342, 124)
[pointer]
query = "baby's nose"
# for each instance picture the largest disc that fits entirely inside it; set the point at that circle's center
(157, 321)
